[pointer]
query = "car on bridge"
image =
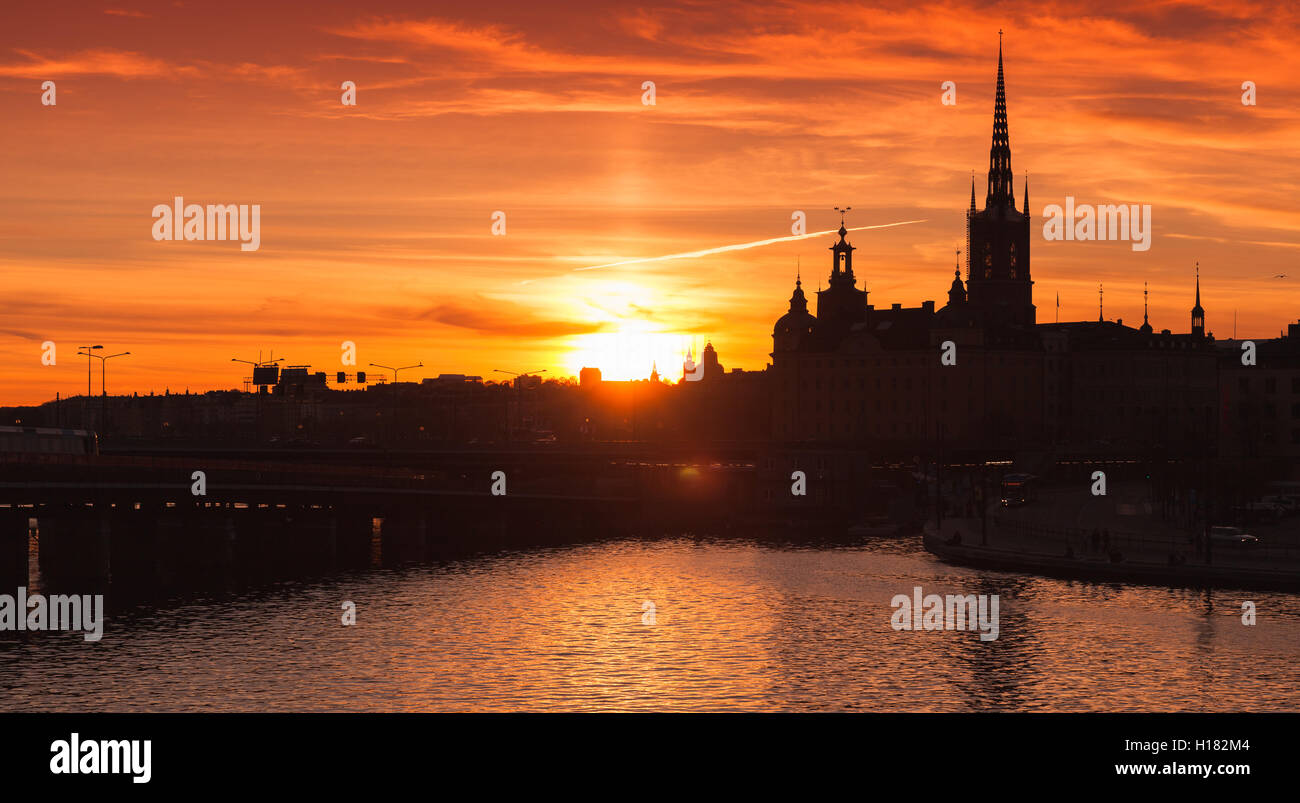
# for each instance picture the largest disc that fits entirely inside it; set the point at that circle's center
(1232, 536)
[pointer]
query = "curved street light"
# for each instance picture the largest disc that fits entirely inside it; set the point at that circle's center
(395, 370)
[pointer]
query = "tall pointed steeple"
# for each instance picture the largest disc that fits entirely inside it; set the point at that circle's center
(1146, 320)
(969, 213)
(1001, 192)
(999, 287)
(1198, 312)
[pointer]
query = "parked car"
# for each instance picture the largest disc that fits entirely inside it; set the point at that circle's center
(1233, 536)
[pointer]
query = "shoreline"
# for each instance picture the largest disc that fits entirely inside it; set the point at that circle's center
(968, 552)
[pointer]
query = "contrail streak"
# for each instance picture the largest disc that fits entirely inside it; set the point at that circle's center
(742, 246)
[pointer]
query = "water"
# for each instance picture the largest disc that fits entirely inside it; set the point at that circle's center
(739, 626)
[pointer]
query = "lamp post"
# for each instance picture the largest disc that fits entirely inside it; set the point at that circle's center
(518, 387)
(392, 423)
(88, 356)
(395, 370)
(103, 371)
(103, 379)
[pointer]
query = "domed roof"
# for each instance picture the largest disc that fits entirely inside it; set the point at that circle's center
(794, 321)
(798, 319)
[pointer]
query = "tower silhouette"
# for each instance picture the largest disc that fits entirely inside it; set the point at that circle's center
(999, 285)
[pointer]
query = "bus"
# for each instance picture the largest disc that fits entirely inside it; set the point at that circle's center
(1019, 489)
(47, 440)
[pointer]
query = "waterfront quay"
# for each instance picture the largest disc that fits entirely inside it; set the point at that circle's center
(1123, 536)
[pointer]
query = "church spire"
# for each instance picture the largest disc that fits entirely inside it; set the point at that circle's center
(1198, 312)
(1146, 320)
(1000, 193)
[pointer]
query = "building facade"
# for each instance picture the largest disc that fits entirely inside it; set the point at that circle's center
(981, 372)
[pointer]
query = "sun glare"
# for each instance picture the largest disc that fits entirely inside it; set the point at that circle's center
(632, 353)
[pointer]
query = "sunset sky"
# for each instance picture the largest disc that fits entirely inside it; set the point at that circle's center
(376, 219)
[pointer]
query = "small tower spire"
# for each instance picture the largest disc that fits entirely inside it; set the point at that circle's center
(1146, 320)
(842, 254)
(1101, 307)
(956, 291)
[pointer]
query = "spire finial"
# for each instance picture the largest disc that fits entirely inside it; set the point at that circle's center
(1101, 307)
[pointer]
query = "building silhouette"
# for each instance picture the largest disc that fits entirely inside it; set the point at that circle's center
(855, 373)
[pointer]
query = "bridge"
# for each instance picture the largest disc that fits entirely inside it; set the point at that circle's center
(145, 521)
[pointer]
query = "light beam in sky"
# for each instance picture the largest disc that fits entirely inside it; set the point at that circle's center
(742, 246)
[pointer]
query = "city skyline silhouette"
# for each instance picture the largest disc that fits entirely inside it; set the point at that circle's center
(392, 247)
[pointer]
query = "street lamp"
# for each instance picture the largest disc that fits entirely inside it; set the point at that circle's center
(88, 356)
(395, 370)
(519, 376)
(103, 379)
(392, 423)
(102, 366)
(519, 387)
(103, 371)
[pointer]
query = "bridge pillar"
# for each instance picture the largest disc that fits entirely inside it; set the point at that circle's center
(133, 555)
(75, 548)
(353, 536)
(405, 535)
(175, 546)
(311, 535)
(216, 539)
(13, 548)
